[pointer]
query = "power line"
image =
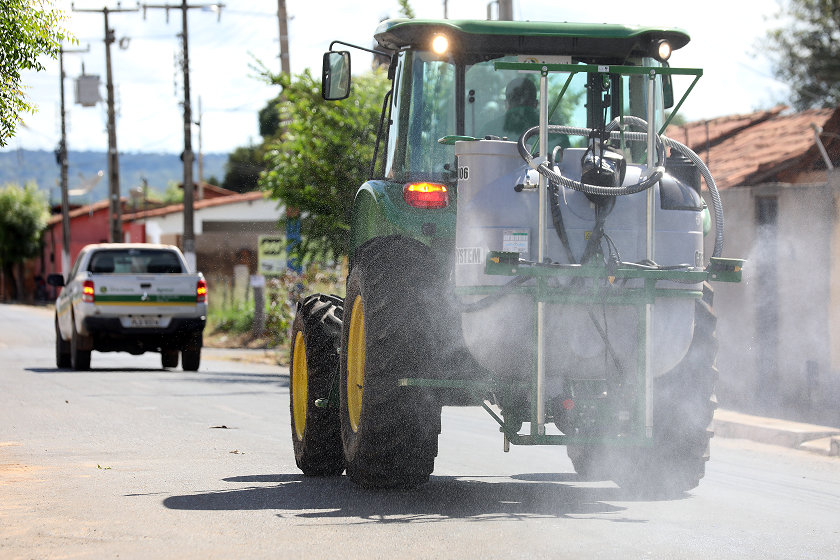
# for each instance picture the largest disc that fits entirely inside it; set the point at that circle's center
(115, 214)
(189, 232)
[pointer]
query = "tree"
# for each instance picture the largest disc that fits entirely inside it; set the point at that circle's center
(28, 29)
(24, 214)
(805, 51)
(406, 10)
(323, 156)
(243, 168)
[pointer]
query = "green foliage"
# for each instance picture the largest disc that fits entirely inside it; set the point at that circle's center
(406, 10)
(243, 168)
(269, 118)
(323, 156)
(173, 194)
(28, 29)
(281, 294)
(805, 51)
(236, 319)
(283, 291)
(23, 218)
(678, 119)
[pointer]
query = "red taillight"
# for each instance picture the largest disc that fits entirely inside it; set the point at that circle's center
(426, 195)
(201, 292)
(88, 293)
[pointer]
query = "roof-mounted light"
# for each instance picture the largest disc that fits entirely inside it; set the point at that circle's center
(663, 50)
(440, 44)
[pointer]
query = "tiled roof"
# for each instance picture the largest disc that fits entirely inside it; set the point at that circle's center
(197, 205)
(697, 134)
(762, 146)
(82, 210)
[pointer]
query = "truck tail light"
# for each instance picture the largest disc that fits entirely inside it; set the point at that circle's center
(201, 292)
(426, 195)
(88, 292)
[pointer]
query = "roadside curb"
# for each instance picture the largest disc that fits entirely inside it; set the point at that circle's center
(809, 437)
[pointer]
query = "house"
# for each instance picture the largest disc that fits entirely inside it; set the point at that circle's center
(780, 328)
(227, 226)
(226, 229)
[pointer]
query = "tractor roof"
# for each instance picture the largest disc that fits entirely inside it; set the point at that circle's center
(529, 37)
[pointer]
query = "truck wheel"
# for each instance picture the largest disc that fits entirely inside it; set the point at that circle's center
(316, 432)
(169, 358)
(683, 406)
(79, 359)
(191, 359)
(62, 349)
(390, 331)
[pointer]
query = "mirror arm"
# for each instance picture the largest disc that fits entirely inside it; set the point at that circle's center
(358, 47)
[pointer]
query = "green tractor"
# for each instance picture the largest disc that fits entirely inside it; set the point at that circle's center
(528, 242)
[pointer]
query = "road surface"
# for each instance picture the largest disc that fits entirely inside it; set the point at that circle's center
(132, 461)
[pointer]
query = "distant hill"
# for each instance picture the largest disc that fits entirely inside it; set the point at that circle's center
(22, 166)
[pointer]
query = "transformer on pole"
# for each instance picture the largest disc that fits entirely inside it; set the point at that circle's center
(115, 213)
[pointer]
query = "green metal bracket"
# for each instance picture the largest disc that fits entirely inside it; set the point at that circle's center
(651, 71)
(725, 270)
(501, 263)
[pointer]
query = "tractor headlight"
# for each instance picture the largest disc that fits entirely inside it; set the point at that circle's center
(663, 50)
(440, 44)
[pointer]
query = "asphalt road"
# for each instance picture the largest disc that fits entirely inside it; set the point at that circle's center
(132, 461)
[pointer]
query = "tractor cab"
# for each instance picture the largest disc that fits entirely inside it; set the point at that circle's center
(450, 79)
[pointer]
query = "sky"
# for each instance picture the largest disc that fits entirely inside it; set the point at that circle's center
(725, 42)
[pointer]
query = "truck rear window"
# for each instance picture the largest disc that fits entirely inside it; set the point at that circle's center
(135, 261)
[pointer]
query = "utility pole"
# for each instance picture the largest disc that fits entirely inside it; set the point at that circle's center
(292, 217)
(200, 154)
(284, 37)
(506, 10)
(189, 231)
(115, 214)
(62, 161)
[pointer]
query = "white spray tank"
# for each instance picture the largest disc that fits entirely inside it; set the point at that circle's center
(498, 211)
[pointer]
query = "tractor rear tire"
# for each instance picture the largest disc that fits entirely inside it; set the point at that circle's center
(589, 461)
(316, 432)
(392, 330)
(62, 349)
(683, 407)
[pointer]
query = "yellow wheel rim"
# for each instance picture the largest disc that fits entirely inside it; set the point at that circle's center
(299, 385)
(356, 364)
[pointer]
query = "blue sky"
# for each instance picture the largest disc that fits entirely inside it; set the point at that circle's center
(725, 35)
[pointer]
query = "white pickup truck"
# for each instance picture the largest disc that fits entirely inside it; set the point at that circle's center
(130, 297)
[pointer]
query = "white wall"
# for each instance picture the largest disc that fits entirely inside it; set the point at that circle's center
(259, 210)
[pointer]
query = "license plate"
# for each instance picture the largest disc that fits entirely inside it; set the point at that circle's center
(144, 322)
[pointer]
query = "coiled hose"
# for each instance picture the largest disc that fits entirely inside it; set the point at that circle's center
(647, 182)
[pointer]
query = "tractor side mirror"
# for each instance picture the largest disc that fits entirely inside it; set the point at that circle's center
(335, 77)
(56, 280)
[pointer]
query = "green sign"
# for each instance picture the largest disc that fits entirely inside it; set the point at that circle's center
(272, 254)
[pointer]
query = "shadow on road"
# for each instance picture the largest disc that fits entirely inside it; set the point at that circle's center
(442, 498)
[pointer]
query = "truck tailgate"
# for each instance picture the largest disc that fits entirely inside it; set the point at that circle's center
(146, 300)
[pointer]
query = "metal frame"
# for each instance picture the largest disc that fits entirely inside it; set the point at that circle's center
(602, 289)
